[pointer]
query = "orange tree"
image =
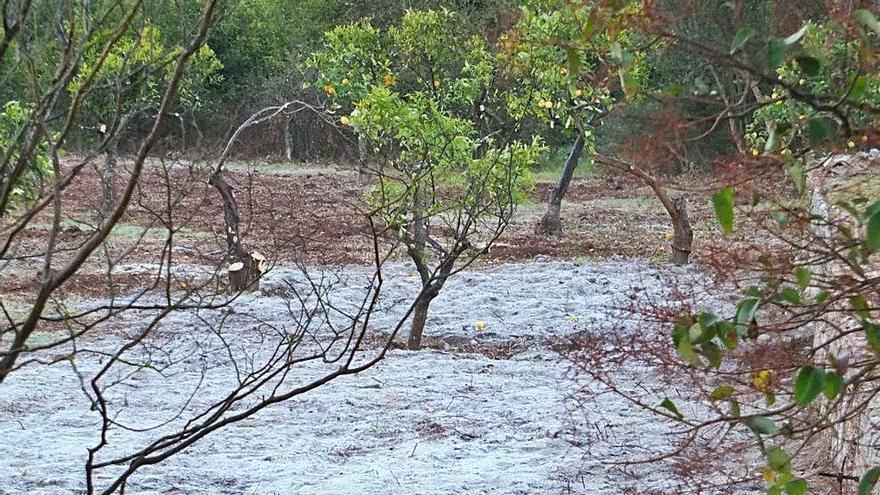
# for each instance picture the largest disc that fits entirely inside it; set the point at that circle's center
(417, 95)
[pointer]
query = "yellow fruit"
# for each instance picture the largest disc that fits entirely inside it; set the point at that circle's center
(578, 92)
(563, 71)
(802, 82)
(346, 82)
(755, 152)
(388, 79)
(344, 120)
(864, 139)
(436, 84)
(330, 90)
(574, 318)
(761, 380)
(480, 325)
(851, 144)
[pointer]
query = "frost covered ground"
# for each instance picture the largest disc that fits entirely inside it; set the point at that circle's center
(428, 422)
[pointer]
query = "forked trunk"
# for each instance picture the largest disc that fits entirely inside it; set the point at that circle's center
(550, 223)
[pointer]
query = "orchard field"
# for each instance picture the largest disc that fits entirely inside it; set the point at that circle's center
(484, 246)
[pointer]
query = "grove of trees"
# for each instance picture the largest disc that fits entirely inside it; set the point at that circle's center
(771, 107)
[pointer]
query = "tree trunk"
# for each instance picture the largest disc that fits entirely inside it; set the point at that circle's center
(246, 268)
(363, 149)
(245, 275)
(419, 318)
(683, 234)
(550, 223)
(108, 177)
(288, 140)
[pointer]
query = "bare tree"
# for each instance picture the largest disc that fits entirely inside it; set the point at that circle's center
(127, 326)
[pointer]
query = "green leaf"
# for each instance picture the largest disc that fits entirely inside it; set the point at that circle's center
(794, 38)
(869, 479)
(574, 61)
(686, 350)
(670, 406)
(872, 233)
(722, 202)
(803, 277)
(808, 385)
(712, 354)
(745, 313)
(833, 385)
(870, 21)
(789, 295)
(809, 65)
(819, 130)
(872, 334)
(707, 319)
(742, 36)
(775, 53)
(796, 487)
(857, 88)
(722, 393)
(779, 460)
(761, 425)
(735, 410)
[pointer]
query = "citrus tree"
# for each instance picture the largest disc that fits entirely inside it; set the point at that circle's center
(417, 93)
(569, 64)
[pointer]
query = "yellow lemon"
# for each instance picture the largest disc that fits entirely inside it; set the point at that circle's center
(330, 90)
(851, 144)
(436, 84)
(864, 138)
(578, 92)
(574, 318)
(344, 120)
(480, 325)
(388, 79)
(755, 152)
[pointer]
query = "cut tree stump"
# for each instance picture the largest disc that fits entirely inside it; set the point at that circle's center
(245, 275)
